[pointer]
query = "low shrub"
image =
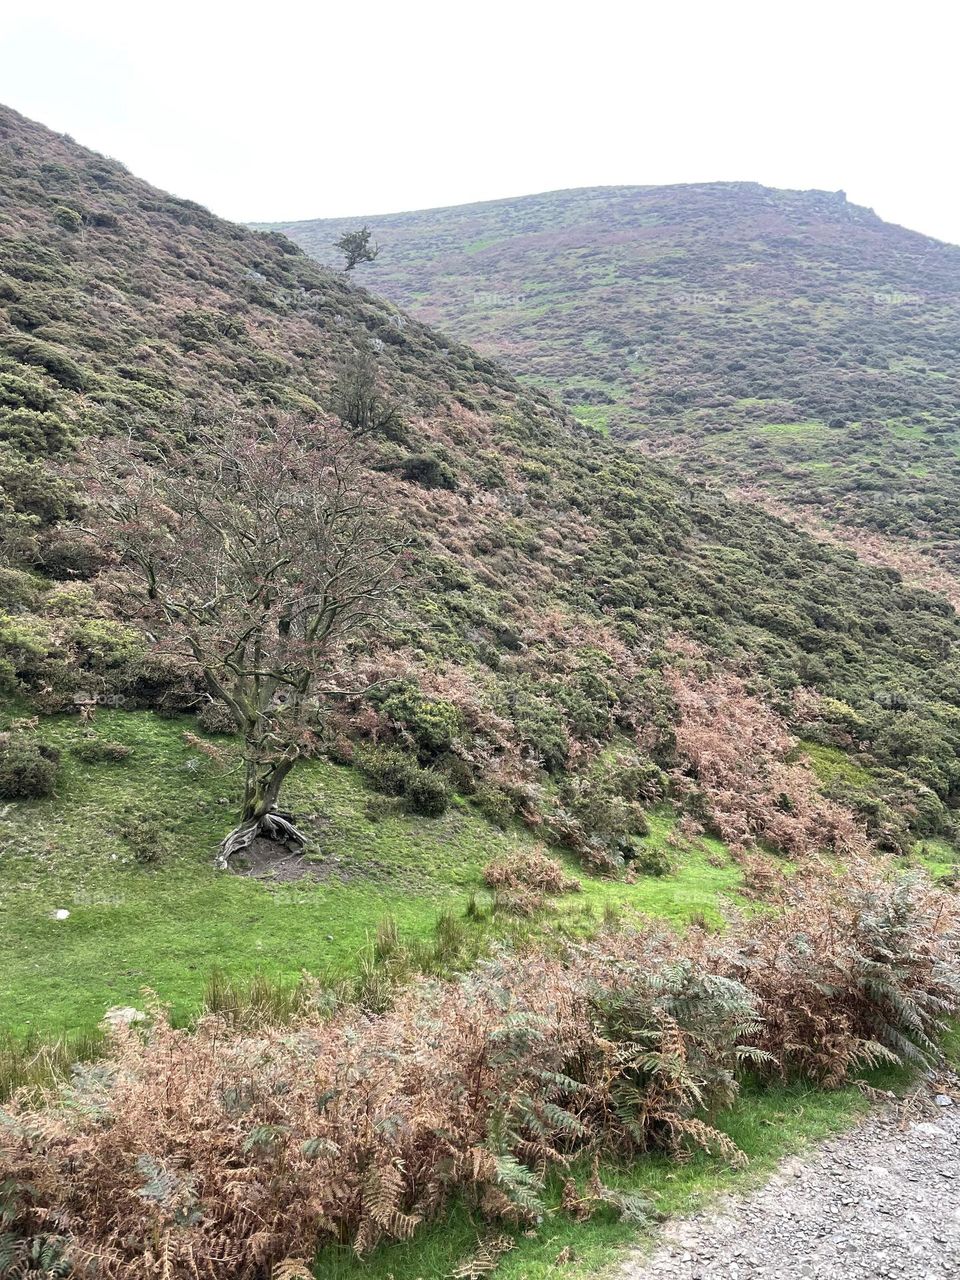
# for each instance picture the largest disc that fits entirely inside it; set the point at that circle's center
(429, 472)
(532, 869)
(28, 769)
(430, 723)
(494, 803)
(67, 218)
(597, 824)
(341, 750)
(652, 860)
(637, 779)
(216, 717)
(145, 834)
(424, 791)
(68, 555)
(541, 728)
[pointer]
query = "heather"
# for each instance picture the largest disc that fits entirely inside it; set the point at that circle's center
(562, 783)
(232, 1151)
(549, 567)
(790, 343)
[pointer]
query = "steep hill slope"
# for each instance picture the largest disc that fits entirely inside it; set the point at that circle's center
(554, 571)
(788, 341)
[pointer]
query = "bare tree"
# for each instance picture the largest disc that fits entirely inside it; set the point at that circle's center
(260, 554)
(356, 247)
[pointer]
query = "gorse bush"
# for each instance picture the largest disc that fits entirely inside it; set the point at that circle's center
(494, 803)
(241, 1145)
(28, 769)
(431, 724)
(395, 773)
(429, 472)
(67, 218)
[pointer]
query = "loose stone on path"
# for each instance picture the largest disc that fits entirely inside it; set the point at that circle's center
(879, 1203)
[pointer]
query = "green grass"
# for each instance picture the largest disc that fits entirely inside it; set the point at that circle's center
(167, 927)
(830, 763)
(594, 416)
(704, 878)
(938, 857)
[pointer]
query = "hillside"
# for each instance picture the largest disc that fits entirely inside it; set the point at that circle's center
(587, 645)
(511, 997)
(786, 343)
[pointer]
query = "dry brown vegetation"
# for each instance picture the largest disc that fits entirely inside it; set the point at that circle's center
(522, 881)
(737, 753)
(225, 1152)
(532, 869)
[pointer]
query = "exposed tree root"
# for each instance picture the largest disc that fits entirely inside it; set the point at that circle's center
(278, 827)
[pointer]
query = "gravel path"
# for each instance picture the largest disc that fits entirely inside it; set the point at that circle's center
(882, 1201)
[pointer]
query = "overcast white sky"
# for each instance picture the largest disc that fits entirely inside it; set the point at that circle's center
(285, 110)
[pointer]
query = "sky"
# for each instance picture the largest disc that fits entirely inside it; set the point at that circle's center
(280, 111)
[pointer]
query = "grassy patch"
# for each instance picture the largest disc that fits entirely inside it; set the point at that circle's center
(167, 926)
(705, 877)
(831, 764)
(594, 416)
(938, 857)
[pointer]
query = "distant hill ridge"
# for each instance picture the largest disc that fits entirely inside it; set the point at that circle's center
(788, 341)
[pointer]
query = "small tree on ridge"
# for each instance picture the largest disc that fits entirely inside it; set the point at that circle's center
(356, 247)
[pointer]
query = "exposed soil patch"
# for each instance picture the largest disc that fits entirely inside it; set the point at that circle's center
(322, 862)
(265, 860)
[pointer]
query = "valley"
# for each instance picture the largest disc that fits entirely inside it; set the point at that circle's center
(617, 841)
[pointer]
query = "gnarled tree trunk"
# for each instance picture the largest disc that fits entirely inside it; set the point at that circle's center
(260, 818)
